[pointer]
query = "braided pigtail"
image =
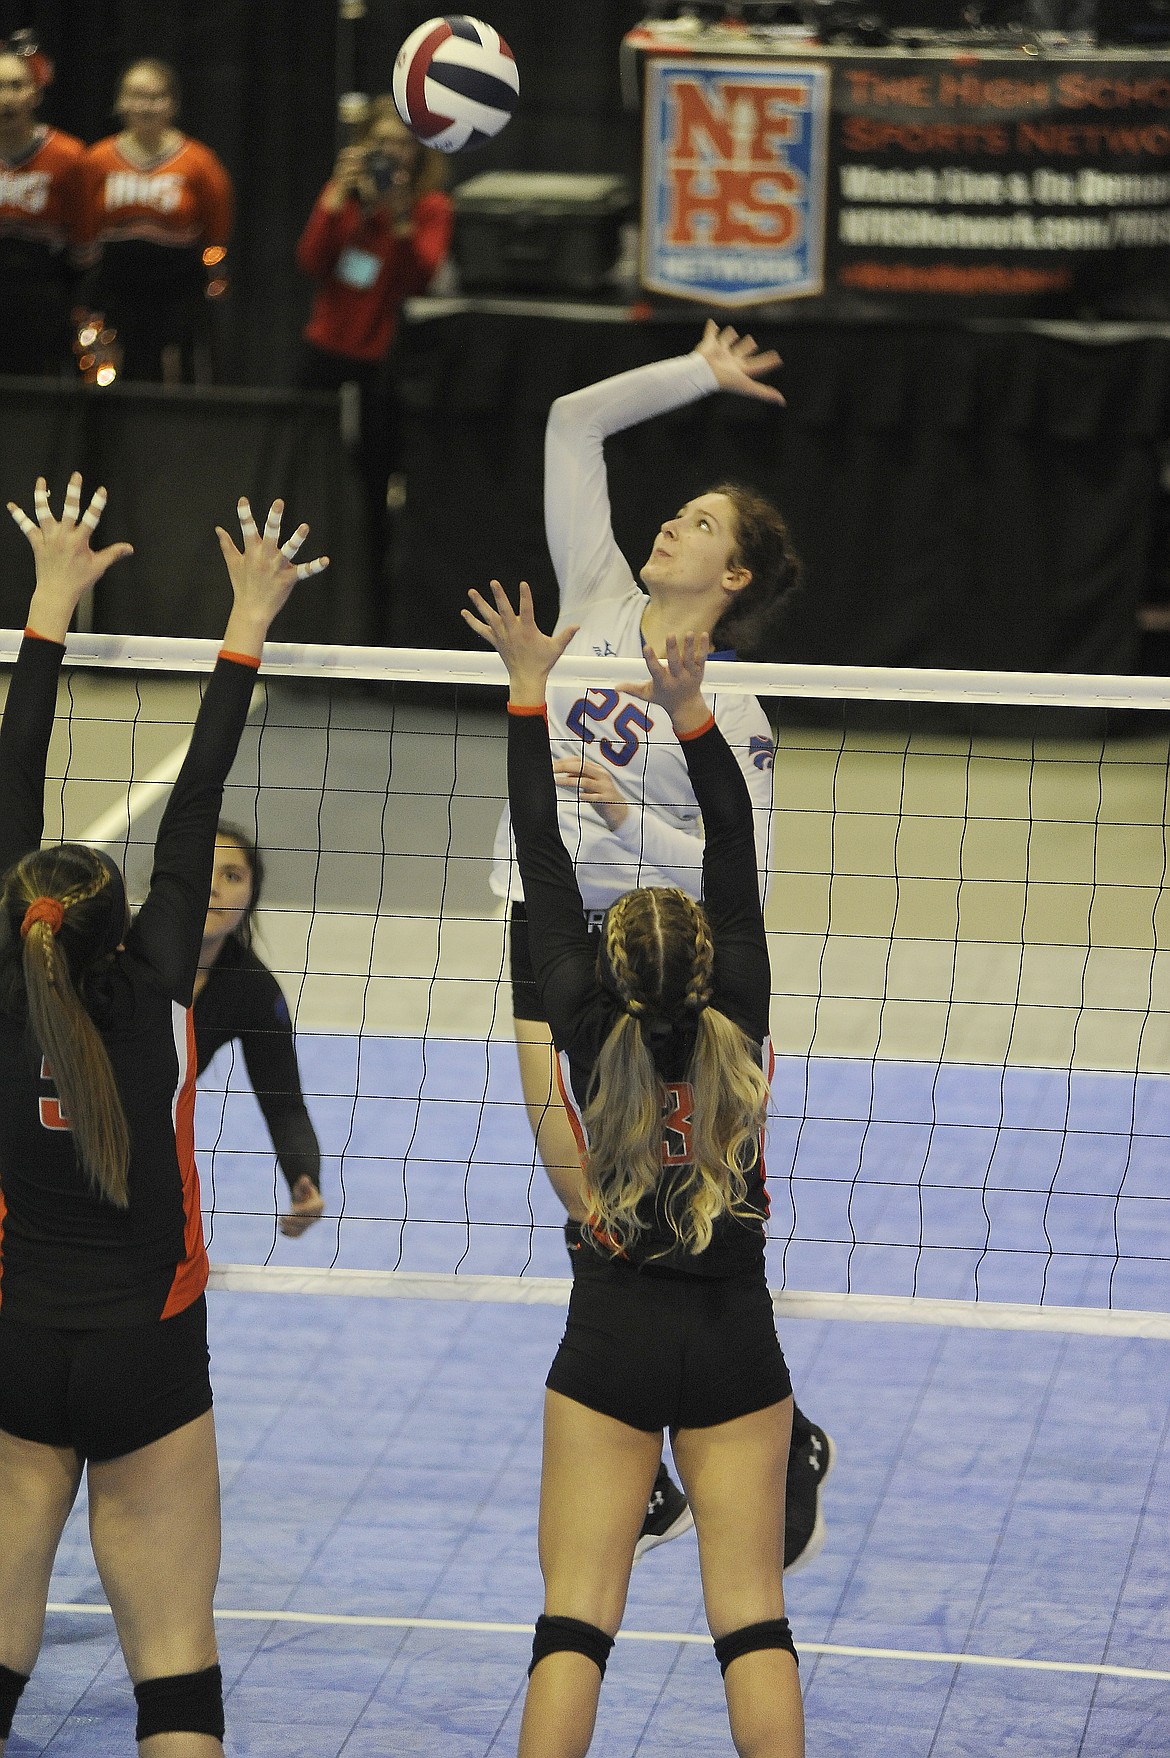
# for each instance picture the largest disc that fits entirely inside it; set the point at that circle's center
(623, 1118)
(40, 903)
(660, 959)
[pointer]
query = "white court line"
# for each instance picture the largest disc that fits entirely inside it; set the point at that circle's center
(350, 1621)
(991, 1315)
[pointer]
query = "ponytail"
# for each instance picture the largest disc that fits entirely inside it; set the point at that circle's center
(623, 1123)
(54, 897)
(79, 1065)
(658, 956)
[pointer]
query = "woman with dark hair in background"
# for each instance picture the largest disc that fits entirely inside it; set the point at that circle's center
(40, 218)
(157, 218)
(661, 1025)
(237, 996)
(103, 1326)
(378, 231)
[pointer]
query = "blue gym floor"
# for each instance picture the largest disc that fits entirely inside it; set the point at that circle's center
(998, 1494)
(1024, 1184)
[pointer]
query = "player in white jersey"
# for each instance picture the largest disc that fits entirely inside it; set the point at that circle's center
(627, 812)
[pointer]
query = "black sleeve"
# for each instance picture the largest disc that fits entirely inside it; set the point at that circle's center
(242, 1000)
(563, 959)
(731, 886)
(25, 732)
(168, 930)
(271, 1060)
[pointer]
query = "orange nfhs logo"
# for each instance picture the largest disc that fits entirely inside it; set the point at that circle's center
(730, 180)
(735, 172)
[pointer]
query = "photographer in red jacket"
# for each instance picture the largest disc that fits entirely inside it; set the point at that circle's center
(378, 231)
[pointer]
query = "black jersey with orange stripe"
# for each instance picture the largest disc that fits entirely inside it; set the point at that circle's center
(581, 1010)
(67, 1257)
(242, 999)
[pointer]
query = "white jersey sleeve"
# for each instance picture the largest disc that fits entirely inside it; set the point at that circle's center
(588, 563)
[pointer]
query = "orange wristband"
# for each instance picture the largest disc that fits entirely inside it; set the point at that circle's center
(697, 733)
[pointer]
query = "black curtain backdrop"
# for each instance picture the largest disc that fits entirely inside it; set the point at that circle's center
(969, 498)
(175, 463)
(260, 84)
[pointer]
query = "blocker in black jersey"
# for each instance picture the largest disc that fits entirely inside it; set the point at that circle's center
(242, 999)
(581, 1010)
(656, 1337)
(68, 1258)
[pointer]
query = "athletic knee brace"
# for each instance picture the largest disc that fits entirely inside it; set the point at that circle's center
(11, 1685)
(772, 1633)
(569, 1636)
(185, 1703)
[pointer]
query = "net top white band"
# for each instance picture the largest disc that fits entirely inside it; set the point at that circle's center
(426, 665)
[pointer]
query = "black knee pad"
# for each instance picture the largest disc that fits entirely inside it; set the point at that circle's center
(185, 1703)
(11, 1685)
(569, 1636)
(772, 1633)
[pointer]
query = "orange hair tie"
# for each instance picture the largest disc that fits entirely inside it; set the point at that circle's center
(43, 909)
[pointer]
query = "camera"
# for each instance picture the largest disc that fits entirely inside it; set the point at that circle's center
(383, 169)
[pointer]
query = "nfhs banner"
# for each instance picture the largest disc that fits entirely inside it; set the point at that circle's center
(944, 183)
(734, 196)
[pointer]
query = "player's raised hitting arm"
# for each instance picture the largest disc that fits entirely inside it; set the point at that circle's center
(585, 555)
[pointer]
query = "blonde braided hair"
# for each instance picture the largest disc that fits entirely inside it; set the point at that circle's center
(660, 958)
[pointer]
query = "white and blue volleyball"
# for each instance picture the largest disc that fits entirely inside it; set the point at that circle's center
(455, 83)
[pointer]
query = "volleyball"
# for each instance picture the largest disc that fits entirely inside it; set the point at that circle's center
(455, 83)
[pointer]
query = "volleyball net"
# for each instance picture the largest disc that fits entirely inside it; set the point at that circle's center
(968, 924)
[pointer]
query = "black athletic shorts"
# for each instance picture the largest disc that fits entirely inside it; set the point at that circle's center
(104, 1392)
(659, 1350)
(525, 1000)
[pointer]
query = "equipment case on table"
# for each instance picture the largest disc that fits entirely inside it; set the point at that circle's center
(546, 231)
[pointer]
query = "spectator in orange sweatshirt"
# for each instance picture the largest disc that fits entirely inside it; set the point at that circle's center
(158, 214)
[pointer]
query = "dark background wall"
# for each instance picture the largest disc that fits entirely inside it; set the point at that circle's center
(960, 496)
(260, 81)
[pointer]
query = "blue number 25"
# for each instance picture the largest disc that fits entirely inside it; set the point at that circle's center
(598, 706)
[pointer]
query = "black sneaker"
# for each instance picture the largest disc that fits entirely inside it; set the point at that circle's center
(810, 1461)
(668, 1515)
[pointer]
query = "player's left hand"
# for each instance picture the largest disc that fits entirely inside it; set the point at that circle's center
(66, 565)
(736, 361)
(676, 680)
(262, 576)
(308, 1205)
(526, 650)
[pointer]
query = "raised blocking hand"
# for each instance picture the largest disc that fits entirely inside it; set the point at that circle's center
(66, 564)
